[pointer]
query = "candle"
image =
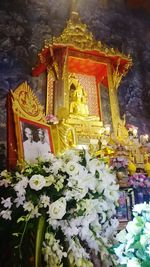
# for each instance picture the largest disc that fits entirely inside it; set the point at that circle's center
(135, 132)
(107, 129)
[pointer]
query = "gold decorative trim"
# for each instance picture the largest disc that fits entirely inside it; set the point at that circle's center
(26, 104)
(77, 34)
(119, 129)
(117, 75)
(50, 93)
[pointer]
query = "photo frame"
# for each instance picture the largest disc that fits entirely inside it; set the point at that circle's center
(126, 202)
(122, 209)
(34, 140)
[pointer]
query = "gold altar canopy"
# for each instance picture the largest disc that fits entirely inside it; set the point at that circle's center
(83, 76)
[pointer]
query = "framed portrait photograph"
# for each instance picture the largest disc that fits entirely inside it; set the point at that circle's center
(34, 140)
(122, 209)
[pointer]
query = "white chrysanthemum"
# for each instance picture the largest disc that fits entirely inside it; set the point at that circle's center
(37, 182)
(56, 166)
(72, 168)
(58, 208)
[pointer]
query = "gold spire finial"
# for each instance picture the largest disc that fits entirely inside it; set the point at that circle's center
(73, 10)
(73, 6)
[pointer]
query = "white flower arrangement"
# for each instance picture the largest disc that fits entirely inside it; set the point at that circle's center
(133, 249)
(73, 199)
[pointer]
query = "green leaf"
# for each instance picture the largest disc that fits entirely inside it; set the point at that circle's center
(145, 264)
(21, 219)
(39, 240)
(140, 253)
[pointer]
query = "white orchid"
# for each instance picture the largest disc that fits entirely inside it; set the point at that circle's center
(6, 202)
(76, 196)
(6, 214)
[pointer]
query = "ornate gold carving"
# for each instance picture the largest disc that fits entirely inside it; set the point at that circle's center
(117, 75)
(26, 104)
(77, 34)
(50, 93)
(119, 129)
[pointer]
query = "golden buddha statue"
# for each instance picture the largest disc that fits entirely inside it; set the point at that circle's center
(86, 125)
(78, 103)
(66, 133)
(78, 106)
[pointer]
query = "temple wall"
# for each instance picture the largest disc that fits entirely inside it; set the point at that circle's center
(24, 25)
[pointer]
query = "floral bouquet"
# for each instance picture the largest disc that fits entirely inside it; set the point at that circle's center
(71, 201)
(141, 185)
(119, 163)
(139, 180)
(133, 249)
(51, 119)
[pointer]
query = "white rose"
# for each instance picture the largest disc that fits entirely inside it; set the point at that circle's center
(72, 168)
(133, 263)
(58, 209)
(37, 182)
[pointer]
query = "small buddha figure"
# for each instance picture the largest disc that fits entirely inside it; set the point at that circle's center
(78, 105)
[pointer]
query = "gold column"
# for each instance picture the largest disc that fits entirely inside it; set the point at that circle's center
(114, 105)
